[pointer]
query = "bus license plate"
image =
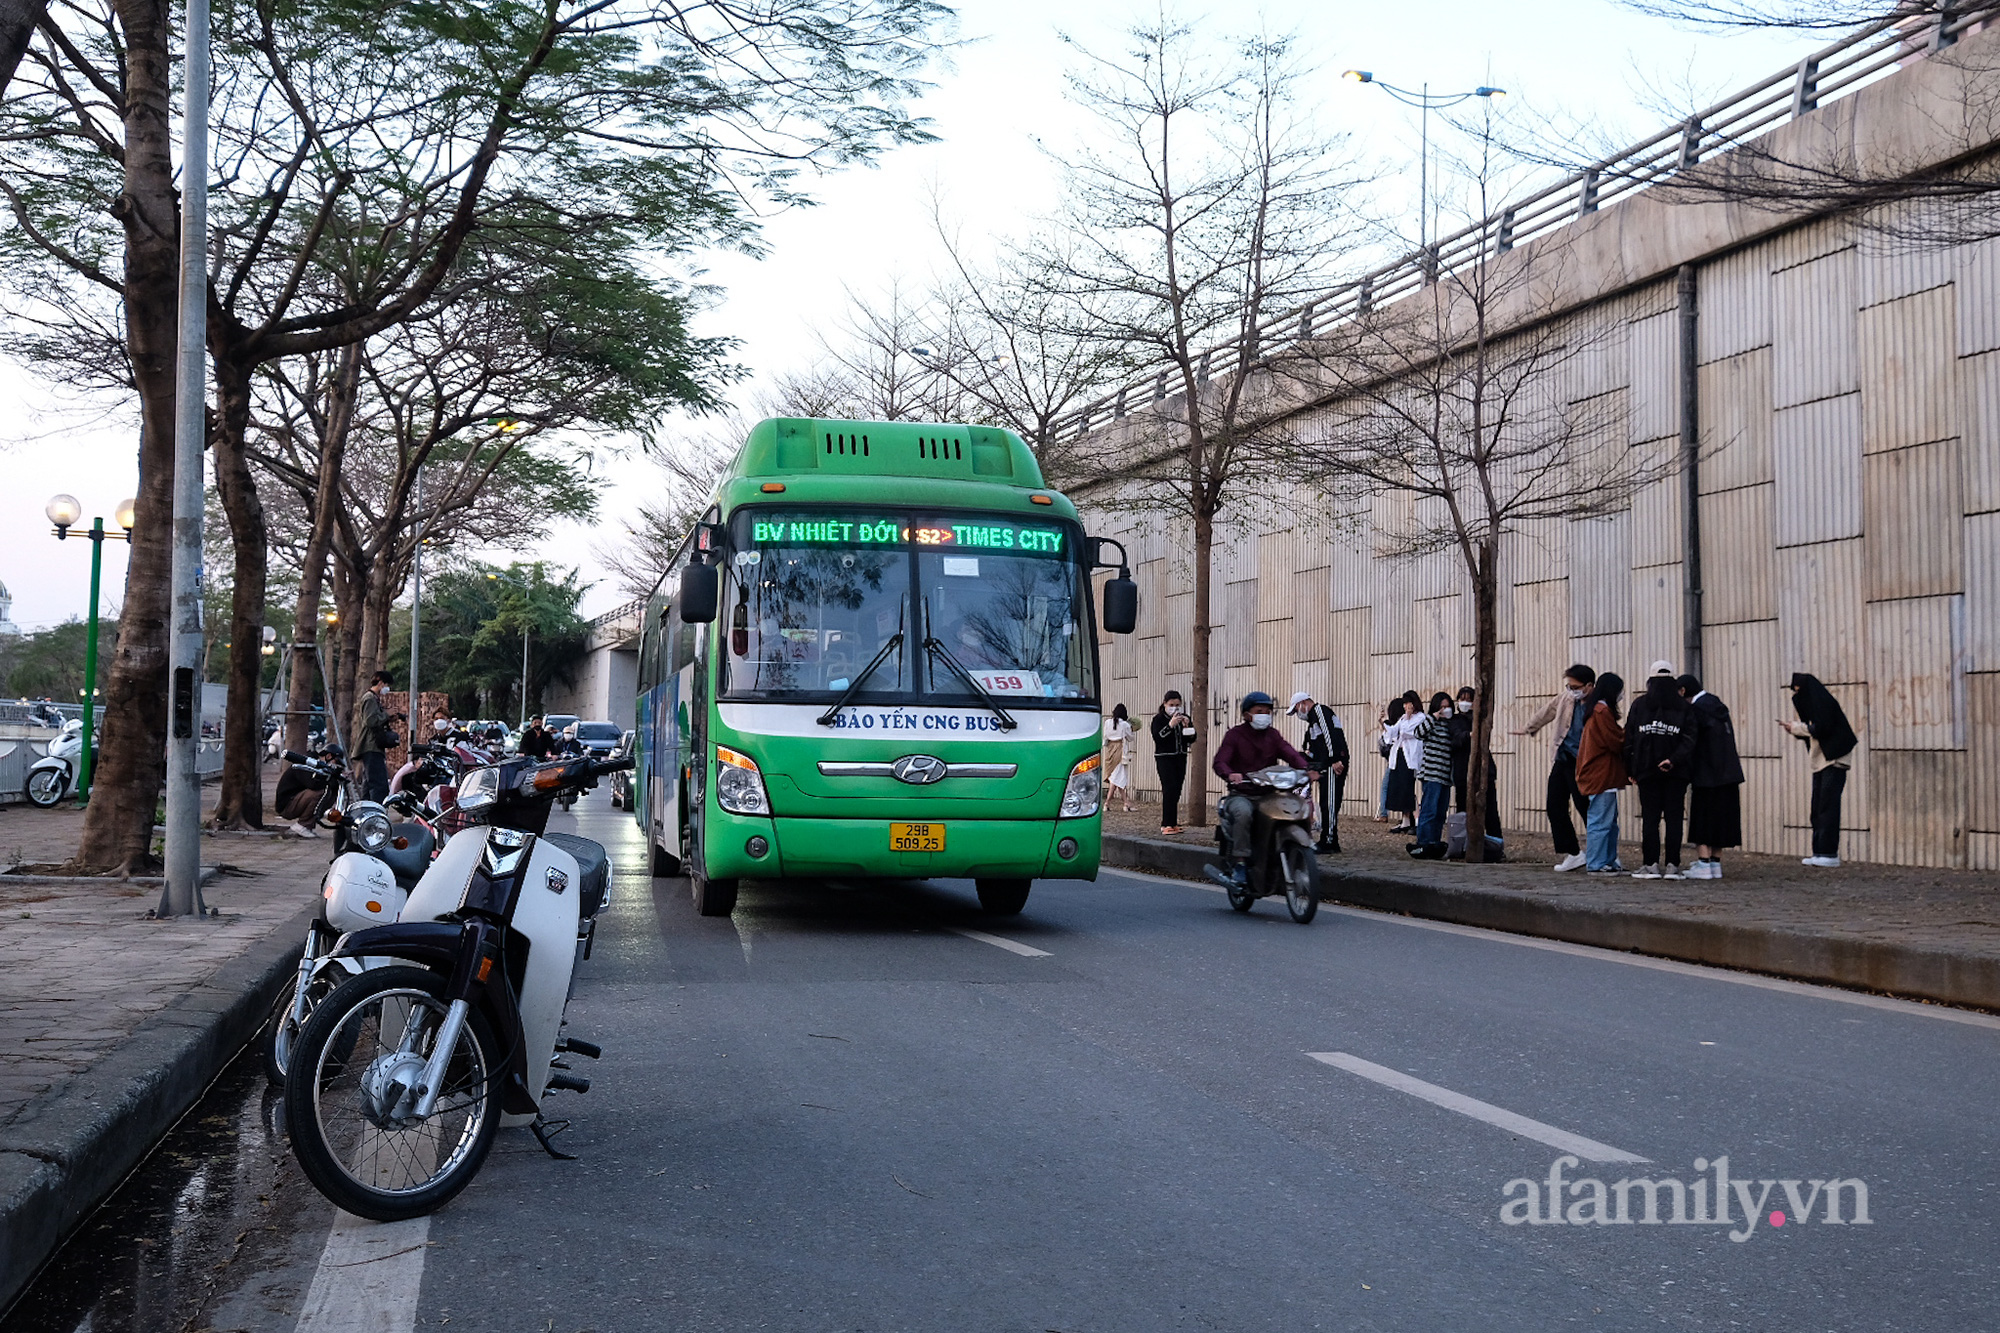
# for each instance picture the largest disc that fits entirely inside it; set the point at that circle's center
(916, 837)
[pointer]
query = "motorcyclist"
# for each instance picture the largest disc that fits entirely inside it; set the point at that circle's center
(299, 790)
(1250, 745)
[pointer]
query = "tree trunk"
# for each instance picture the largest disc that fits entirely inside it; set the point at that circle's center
(132, 760)
(1200, 704)
(241, 803)
(18, 19)
(326, 498)
(1479, 791)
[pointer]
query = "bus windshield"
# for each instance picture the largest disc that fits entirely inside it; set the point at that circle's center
(901, 603)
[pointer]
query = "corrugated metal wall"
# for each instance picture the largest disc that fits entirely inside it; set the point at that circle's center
(1850, 512)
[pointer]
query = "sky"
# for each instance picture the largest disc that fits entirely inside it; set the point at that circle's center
(1003, 124)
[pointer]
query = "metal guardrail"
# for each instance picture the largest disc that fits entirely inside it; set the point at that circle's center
(631, 610)
(1828, 74)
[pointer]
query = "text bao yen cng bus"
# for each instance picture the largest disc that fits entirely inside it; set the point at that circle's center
(876, 657)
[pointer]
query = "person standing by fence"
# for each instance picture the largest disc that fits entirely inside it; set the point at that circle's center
(1600, 771)
(1715, 805)
(1326, 753)
(1568, 712)
(1659, 752)
(1172, 730)
(1822, 724)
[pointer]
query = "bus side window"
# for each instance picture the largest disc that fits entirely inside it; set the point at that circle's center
(683, 637)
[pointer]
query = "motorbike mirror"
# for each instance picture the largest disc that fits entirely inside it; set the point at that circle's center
(1121, 605)
(701, 593)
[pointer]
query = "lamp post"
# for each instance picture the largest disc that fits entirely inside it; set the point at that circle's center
(1426, 101)
(503, 578)
(64, 512)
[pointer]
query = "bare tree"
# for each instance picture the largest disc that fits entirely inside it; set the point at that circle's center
(1452, 399)
(1208, 205)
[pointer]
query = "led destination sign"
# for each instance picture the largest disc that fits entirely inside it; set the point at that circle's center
(983, 534)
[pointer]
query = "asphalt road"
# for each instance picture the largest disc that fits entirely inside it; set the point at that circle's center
(836, 1111)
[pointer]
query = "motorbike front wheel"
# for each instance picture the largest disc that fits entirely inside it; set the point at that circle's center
(1301, 881)
(281, 1034)
(347, 1097)
(46, 787)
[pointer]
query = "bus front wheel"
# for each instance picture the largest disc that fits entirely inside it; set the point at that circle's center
(1003, 897)
(713, 897)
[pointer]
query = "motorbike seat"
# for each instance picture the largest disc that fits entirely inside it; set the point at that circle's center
(594, 867)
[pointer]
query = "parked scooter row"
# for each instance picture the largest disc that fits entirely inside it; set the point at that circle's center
(411, 1042)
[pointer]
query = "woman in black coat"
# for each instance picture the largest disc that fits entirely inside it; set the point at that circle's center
(1715, 802)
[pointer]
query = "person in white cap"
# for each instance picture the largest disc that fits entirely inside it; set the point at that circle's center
(1659, 754)
(1326, 755)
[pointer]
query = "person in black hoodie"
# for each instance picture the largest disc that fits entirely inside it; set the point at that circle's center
(1829, 739)
(1715, 805)
(1659, 754)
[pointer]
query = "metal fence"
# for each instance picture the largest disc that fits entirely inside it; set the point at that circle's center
(1828, 74)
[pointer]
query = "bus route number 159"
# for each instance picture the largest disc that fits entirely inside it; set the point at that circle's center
(916, 837)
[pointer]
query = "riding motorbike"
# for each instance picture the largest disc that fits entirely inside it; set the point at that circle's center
(375, 865)
(403, 1075)
(55, 773)
(1281, 850)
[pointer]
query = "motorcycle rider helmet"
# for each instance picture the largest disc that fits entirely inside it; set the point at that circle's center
(1257, 699)
(335, 753)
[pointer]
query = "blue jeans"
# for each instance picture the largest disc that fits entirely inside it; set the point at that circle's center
(1601, 839)
(1430, 816)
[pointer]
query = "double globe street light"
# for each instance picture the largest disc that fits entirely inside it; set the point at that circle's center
(1426, 101)
(65, 513)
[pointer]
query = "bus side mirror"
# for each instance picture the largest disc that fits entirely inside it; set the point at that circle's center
(701, 592)
(1121, 605)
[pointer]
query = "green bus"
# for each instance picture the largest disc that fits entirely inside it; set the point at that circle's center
(875, 657)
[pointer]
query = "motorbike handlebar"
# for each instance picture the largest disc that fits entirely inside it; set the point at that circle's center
(600, 767)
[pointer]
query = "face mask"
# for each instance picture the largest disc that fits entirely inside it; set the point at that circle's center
(1260, 720)
(1465, 705)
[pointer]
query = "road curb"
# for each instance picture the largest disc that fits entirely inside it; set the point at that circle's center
(1827, 958)
(65, 1152)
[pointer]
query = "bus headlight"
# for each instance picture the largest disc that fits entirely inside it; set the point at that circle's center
(739, 787)
(1086, 784)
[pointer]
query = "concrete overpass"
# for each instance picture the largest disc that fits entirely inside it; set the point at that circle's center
(1846, 413)
(607, 680)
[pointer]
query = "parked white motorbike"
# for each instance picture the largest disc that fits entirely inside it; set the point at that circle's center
(55, 773)
(399, 1081)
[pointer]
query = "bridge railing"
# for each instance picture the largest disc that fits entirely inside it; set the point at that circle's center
(1828, 74)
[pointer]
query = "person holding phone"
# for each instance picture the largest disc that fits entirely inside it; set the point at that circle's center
(1173, 732)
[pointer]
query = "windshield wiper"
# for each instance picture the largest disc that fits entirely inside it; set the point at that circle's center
(936, 646)
(826, 719)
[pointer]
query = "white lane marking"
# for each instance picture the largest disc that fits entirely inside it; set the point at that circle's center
(1969, 1017)
(1011, 946)
(368, 1279)
(1590, 1150)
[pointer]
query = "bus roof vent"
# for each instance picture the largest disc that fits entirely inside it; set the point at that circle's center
(941, 448)
(846, 446)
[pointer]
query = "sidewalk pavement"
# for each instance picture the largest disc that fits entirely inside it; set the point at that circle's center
(111, 1024)
(1900, 930)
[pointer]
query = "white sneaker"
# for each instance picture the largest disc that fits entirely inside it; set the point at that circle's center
(1699, 870)
(1672, 872)
(1714, 870)
(1822, 862)
(1574, 861)
(304, 831)
(1646, 872)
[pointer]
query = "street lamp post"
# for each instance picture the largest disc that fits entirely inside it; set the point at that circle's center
(64, 512)
(1426, 101)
